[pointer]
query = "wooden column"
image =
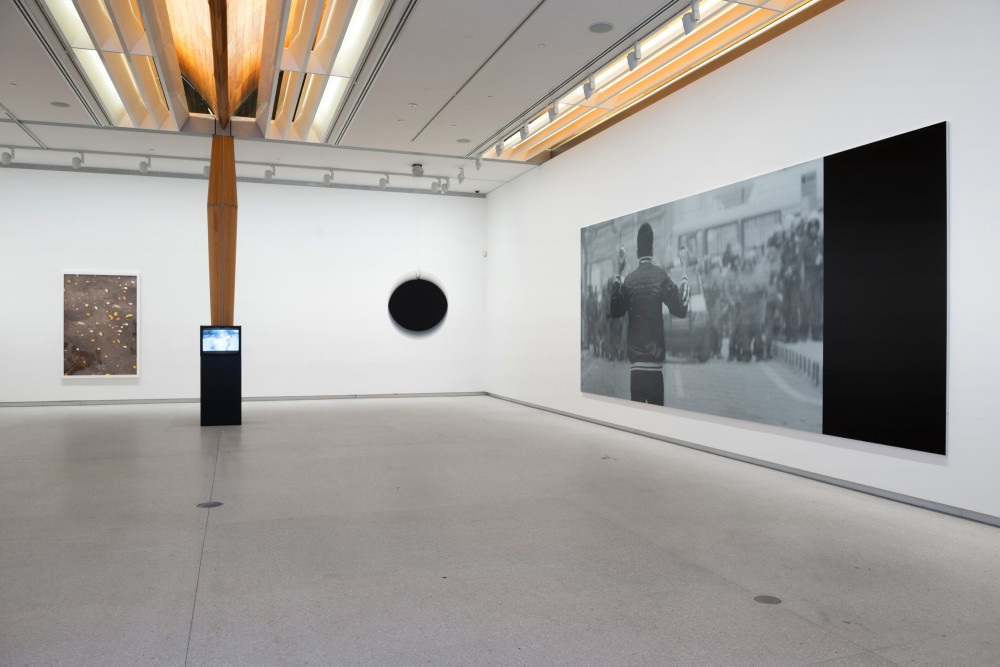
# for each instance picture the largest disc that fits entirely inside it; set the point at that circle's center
(222, 230)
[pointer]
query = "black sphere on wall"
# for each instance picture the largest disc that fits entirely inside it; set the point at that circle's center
(418, 305)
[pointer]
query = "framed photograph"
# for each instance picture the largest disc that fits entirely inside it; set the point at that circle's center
(100, 324)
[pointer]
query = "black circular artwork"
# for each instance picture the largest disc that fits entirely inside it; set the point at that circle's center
(418, 305)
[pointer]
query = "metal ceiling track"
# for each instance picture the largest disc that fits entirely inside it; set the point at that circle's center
(206, 161)
(242, 137)
(14, 119)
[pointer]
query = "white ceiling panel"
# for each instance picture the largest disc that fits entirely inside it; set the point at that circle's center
(469, 90)
(441, 46)
(29, 82)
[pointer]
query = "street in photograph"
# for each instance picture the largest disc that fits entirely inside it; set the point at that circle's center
(713, 303)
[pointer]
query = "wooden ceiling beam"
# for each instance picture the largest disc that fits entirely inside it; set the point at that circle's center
(218, 15)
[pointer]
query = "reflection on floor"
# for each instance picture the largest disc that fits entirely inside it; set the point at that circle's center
(456, 531)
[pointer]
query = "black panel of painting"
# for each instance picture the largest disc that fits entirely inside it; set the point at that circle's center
(816, 298)
(100, 328)
(418, 305)
(886, 292)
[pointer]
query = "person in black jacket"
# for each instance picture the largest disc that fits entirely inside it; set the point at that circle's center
(642, 295)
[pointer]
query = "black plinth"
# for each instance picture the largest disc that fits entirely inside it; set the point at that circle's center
(221, 390)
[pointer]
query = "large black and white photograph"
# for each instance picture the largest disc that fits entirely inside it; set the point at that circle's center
(713, 303)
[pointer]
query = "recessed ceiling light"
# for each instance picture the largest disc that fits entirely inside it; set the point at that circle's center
(61, 105)
(541, 46)
(463, 140)
(601, 26)
(411, 105)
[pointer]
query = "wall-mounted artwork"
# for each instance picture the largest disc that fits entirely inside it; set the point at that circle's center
(418, 305)
(812, 298)
(100, 324)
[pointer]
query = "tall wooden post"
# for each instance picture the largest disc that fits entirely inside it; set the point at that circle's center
(222, 230)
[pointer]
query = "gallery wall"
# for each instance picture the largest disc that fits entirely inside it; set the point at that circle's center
(858, 73)
(315, 269)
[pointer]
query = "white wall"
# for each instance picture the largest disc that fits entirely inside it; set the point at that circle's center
(860, 72)
(315, 269)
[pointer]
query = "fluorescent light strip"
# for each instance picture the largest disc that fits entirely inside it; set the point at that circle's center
(70, 23)
(96, 18)
(609, 103)
(339, 31)
(585, 118)
(358, 31)
(120, 71)
(609, 113)
(332, 95)
(103, 86)
(675, 29)
(747, 26)
(619, 68)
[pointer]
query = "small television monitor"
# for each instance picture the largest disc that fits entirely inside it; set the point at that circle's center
(220, 340)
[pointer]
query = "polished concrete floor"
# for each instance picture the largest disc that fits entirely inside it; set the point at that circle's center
(456, 531)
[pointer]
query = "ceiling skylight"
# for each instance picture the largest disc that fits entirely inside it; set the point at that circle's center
(136, 54)
(664, 56)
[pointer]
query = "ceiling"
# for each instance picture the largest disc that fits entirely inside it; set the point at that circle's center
(440, 82)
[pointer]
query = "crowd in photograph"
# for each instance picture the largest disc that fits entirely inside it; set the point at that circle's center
(757, 295)
(754, 296)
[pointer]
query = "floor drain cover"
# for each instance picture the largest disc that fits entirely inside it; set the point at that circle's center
(767, 599)
(214, 503)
